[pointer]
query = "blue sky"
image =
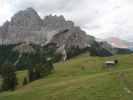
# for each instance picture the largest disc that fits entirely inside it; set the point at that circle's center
(101, 18)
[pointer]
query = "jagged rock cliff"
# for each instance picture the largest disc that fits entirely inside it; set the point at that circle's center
(26, 25)
(22, 26)
(73, 37)
(54, 24)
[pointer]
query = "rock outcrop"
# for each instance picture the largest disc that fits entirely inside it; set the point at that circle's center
(24, 48)
(73, 37)
(54, 24)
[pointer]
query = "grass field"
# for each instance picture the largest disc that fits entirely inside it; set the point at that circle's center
(81, 78)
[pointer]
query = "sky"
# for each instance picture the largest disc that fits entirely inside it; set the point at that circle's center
(100, 18)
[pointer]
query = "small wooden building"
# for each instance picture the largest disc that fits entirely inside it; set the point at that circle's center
(110, 63)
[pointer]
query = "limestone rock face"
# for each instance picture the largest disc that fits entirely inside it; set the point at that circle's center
(26, 25)
(73, 37)
(22, 26)
(4, 30)
(53, 24)
(25, 21)
(24, 48)
(56, 23)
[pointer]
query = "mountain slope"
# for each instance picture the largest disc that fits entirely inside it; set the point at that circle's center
(70, 81)
(24, 55)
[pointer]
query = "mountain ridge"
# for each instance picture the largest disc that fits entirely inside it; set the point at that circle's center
(27, 26)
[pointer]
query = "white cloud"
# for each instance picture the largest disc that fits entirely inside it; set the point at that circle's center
(101, 18)
(5, 12)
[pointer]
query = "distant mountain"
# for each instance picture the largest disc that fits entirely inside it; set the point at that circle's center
(120, 46)
(117, 42)
(130, 45)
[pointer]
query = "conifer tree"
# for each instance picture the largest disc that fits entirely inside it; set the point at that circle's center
(9, 77)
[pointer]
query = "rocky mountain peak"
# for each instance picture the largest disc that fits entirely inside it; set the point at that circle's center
(30, 9)
(4, 28)
(27, 19)
(22, 26)
(26, 25)
(27, 13)
(51, 22)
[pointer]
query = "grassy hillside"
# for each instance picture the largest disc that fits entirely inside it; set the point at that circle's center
(81, 78)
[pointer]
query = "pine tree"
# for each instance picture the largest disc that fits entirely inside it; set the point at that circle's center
(9, 77)
(25, 81)
(31, 74)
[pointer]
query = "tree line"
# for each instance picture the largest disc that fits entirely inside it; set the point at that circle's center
(38, 65)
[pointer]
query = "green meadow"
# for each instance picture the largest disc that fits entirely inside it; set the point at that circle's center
(80, 78)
